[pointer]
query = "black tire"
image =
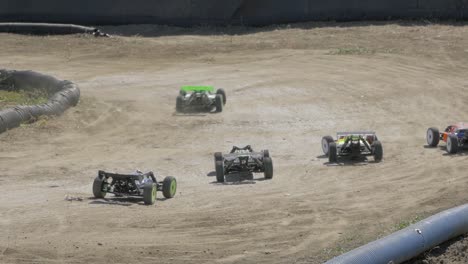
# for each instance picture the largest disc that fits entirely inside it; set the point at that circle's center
(149, 193)
(219, 165)
(332, 152)
(223, 94)
(452, 144)
(266, 153)
(169, 187)
(218, 156)
(378, 151)
(432, 137)
(268, 168)
(180, 103)
(326, 140)
(97, 187)
(219, 103)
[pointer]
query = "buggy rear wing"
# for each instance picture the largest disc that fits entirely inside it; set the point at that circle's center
(134, 175)
(357, 133)
(368, 135)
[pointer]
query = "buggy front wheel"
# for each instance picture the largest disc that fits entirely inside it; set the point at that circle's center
(169, 187)
(432, 137)
(326, 140)
(452, 144)
(149, 193)
(223, 94)
(180, 103)
(98, 186)
(218, 156)
(219, 103)
(219, 171)
(378, 151)
(332, 152)
(268, 167)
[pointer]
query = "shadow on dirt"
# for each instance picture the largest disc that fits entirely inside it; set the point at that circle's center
(437, 147)
(236, 178)
(462, 153)
(192, 114)
(348, 161)
(194, 111)
(211, 174)
(122, 201)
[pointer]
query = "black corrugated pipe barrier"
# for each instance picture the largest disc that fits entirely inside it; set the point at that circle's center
(49, 29)
(411, 241)
(62, 95)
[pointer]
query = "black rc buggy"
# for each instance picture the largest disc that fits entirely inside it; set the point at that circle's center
(200, 98)
(136, 184)
(243, 160)
(352, 144)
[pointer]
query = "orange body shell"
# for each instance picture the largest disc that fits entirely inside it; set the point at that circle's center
(444, 136)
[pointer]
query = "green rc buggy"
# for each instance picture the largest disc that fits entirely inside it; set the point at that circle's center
(200, 98)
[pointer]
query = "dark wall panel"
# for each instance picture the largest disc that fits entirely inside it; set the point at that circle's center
(189, 12)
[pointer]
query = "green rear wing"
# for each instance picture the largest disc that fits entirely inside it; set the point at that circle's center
(197, 88)
(342, 136)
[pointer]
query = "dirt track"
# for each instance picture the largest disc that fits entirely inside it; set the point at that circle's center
(286, 88)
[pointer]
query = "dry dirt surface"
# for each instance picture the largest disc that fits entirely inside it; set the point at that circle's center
(454, 251)
(287, 87)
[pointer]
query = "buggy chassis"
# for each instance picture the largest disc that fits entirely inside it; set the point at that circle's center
(136, 184)
(455, 137)
(352, 144)
(200, 98)
(243, 160)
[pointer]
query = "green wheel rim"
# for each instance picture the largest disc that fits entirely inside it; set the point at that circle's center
(173, 188)
(153, 194)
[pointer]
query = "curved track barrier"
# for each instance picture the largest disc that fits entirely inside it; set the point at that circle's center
(411, 241)
(48, 29)
(226, 12)
(62, 95)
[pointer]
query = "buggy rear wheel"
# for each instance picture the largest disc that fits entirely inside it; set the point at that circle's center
(432, 137)
(219, 103)
(326, 140)
(223, 94)
(169, 187)
(219, 166)
(179, 103)
(378, 151)
(332, 152)
(98, 185)
(149, 193)
(268, 168)
(452, 144)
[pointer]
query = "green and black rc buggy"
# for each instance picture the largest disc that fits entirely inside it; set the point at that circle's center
(200, 98)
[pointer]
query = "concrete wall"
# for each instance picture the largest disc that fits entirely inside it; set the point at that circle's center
(188, 12)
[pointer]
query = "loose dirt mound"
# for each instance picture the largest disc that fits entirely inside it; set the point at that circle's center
(287, 88)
